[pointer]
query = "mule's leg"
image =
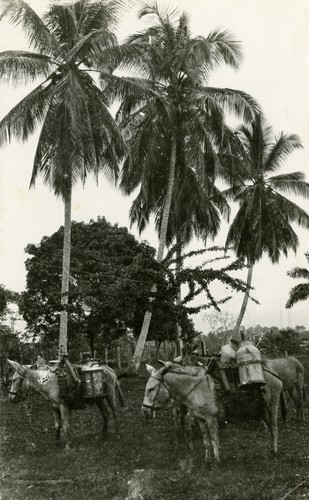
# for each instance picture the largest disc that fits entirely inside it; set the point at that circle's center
(212, 424)
(65, 417)
(300, 394)
(111, 399)
(271, 419)
(187, 423)
(274, 430)
(57, 419)
(210, 454)
(101, 405)
(177, 424)
(293, 392)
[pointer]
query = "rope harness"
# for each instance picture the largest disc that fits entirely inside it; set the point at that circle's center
(177, 401)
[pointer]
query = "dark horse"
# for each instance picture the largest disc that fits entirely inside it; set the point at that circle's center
(46, 383)
(194, 388)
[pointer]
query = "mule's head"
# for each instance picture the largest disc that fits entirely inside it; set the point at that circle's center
(156, 394)
(19, 384)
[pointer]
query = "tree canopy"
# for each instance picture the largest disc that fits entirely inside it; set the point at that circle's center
(110, 273)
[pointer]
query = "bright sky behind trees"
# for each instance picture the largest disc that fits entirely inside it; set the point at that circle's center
(275, 70)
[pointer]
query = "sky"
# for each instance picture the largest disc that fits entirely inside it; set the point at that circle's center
(275, 71)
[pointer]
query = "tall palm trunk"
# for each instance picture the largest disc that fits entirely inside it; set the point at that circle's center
(137, 356)
(178, 297)
(236, 334)
(63, 334)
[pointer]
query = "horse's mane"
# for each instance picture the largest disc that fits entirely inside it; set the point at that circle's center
(194, 371)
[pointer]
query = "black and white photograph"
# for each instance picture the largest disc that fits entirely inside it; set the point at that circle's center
(154, 249)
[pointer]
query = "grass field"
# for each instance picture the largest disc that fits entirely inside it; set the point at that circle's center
(145, 464)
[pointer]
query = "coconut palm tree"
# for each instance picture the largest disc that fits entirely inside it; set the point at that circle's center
(195, 210)
(78, 135)
(263, 221)
(182, 124)
(301, 291)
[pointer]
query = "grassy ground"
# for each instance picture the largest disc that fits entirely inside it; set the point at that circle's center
(144, 464)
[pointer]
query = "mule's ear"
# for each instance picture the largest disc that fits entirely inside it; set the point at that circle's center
(151, 370)
(17, 367)
(165, 369)
(161, 362)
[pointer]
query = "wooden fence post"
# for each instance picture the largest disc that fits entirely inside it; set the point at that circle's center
(106, 356)
(149, 353)
(203, 348)
(118, 357)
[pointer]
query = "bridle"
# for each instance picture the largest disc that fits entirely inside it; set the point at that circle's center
(19, 391)
(177, 401)
(161, 382)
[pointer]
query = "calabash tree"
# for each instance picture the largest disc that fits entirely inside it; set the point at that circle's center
(263, 222)
(183, 121)
(78, 135)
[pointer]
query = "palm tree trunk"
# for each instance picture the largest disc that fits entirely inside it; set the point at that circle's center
(63, 334)
(236, 334)
(137, 356)
(178, 297)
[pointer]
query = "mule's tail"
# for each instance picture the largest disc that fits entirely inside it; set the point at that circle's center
(120, 394)
(284, 407)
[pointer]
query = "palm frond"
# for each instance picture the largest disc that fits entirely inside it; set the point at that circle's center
(56, 158)
(298, 293)
(140, 212)
(292, 183)
(93, 49)
(225, 49)
(37, 33)
(220, 200)
(26, 116)
(233, 192)
(234, 101)
(299, 272)
(93, 141)
(62, 23)
(292, 212)
(21, 67)
(282, 147)
(121, 87)
(165, 14)
(92, 16)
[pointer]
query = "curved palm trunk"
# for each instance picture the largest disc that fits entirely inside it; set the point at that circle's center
(236, 334)
(63, 334)
(137, 356)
